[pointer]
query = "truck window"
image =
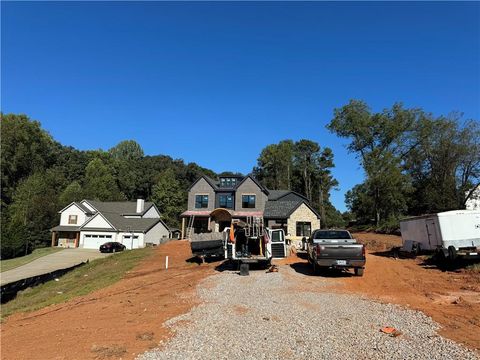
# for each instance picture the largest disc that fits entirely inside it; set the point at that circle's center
(332, 234)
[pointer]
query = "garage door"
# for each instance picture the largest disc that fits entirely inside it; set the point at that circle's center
(94, 241)
(127, 241)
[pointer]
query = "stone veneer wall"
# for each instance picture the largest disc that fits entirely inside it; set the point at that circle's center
(302, 213)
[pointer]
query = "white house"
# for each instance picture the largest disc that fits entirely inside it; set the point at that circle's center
(89, 224)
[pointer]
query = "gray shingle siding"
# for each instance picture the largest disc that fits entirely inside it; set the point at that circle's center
(249, 187)
(201, 187)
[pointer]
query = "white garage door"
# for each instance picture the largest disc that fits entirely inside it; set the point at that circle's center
(127, 241)
(94, 241)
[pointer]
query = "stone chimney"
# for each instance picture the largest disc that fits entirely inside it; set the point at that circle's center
(140, 205)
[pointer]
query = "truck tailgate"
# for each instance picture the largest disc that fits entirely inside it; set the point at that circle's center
(341, 251)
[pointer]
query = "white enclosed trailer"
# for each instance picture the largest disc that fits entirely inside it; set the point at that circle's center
(453, 233)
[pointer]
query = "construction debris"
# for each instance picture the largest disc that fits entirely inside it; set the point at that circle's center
(273, 268)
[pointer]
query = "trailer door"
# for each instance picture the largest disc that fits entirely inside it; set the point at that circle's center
(432, 234)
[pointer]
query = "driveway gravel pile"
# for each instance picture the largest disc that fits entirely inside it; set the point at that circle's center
(283, 315)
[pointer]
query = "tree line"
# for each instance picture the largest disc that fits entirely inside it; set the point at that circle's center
(414, 162)
(305, 167)
(39, 177)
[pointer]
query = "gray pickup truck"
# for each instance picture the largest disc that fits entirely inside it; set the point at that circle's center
(335, 249)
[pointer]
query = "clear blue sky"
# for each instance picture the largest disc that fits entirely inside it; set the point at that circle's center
(215, 82)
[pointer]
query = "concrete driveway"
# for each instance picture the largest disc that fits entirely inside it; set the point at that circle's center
(46, 264)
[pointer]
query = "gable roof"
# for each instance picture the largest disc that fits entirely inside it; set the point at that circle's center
(94, 217)
(209, 180)
(131, 224)
(79, 205)
(250, 176)
(215, 183)
(119, 207)
(120, 223)
(283, 209)
(277, 195)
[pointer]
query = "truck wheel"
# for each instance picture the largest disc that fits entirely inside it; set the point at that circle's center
(452, 253)
(359, 271)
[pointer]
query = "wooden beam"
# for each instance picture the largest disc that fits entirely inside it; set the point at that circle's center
(183, 228)
(53, 238)
(77, 238)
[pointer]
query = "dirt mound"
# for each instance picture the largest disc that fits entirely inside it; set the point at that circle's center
(121, 320)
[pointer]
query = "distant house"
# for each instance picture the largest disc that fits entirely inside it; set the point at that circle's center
(89, 224)
(213, 204)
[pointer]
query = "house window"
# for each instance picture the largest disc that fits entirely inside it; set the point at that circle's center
(201, 201)
(304, 228)
(248, 201)
(225, 201)
(72, 219)
(228, 182)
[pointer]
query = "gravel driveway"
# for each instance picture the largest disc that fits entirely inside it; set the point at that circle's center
(287, 315)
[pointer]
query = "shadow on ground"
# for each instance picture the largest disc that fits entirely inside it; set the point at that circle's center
(305, 268)
(208, 260)
(428, 261)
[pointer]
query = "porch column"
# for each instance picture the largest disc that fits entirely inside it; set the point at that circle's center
(77, 239)
(54, 235)
(183, 227)
(209, 219)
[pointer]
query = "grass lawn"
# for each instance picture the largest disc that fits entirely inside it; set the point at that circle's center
(10, 264)
(83, 280)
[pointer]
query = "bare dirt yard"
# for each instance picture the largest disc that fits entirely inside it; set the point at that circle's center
(119, 321)
(127, 318)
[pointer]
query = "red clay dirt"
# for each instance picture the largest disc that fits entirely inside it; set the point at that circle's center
(126, 318)
(120, 321)
(451, 298)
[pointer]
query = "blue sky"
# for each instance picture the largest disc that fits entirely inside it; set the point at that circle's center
(214, 83)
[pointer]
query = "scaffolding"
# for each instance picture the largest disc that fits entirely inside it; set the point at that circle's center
(254, 228)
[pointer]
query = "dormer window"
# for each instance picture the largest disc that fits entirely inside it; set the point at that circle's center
(227, 182)
(72, 219)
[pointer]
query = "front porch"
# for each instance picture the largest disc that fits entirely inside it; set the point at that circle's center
(217, 220)
(65, 236)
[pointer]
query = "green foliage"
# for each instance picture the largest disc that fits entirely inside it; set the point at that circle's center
(40, 176)
(304, 167)
(73, 192)
(26, 149)
(414, 163)
(100, 183)
(127, 150)
(169, 197)
(32, 213)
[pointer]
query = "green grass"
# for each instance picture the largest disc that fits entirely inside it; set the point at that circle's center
(10, 264)
(83, 280)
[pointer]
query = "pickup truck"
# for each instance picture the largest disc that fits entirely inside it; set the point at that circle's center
(335, 249)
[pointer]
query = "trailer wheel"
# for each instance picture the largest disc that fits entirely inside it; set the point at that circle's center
(359, 271)
(452, 253)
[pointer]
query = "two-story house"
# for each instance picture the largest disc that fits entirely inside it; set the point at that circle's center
(213, 204)
(90, 223)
